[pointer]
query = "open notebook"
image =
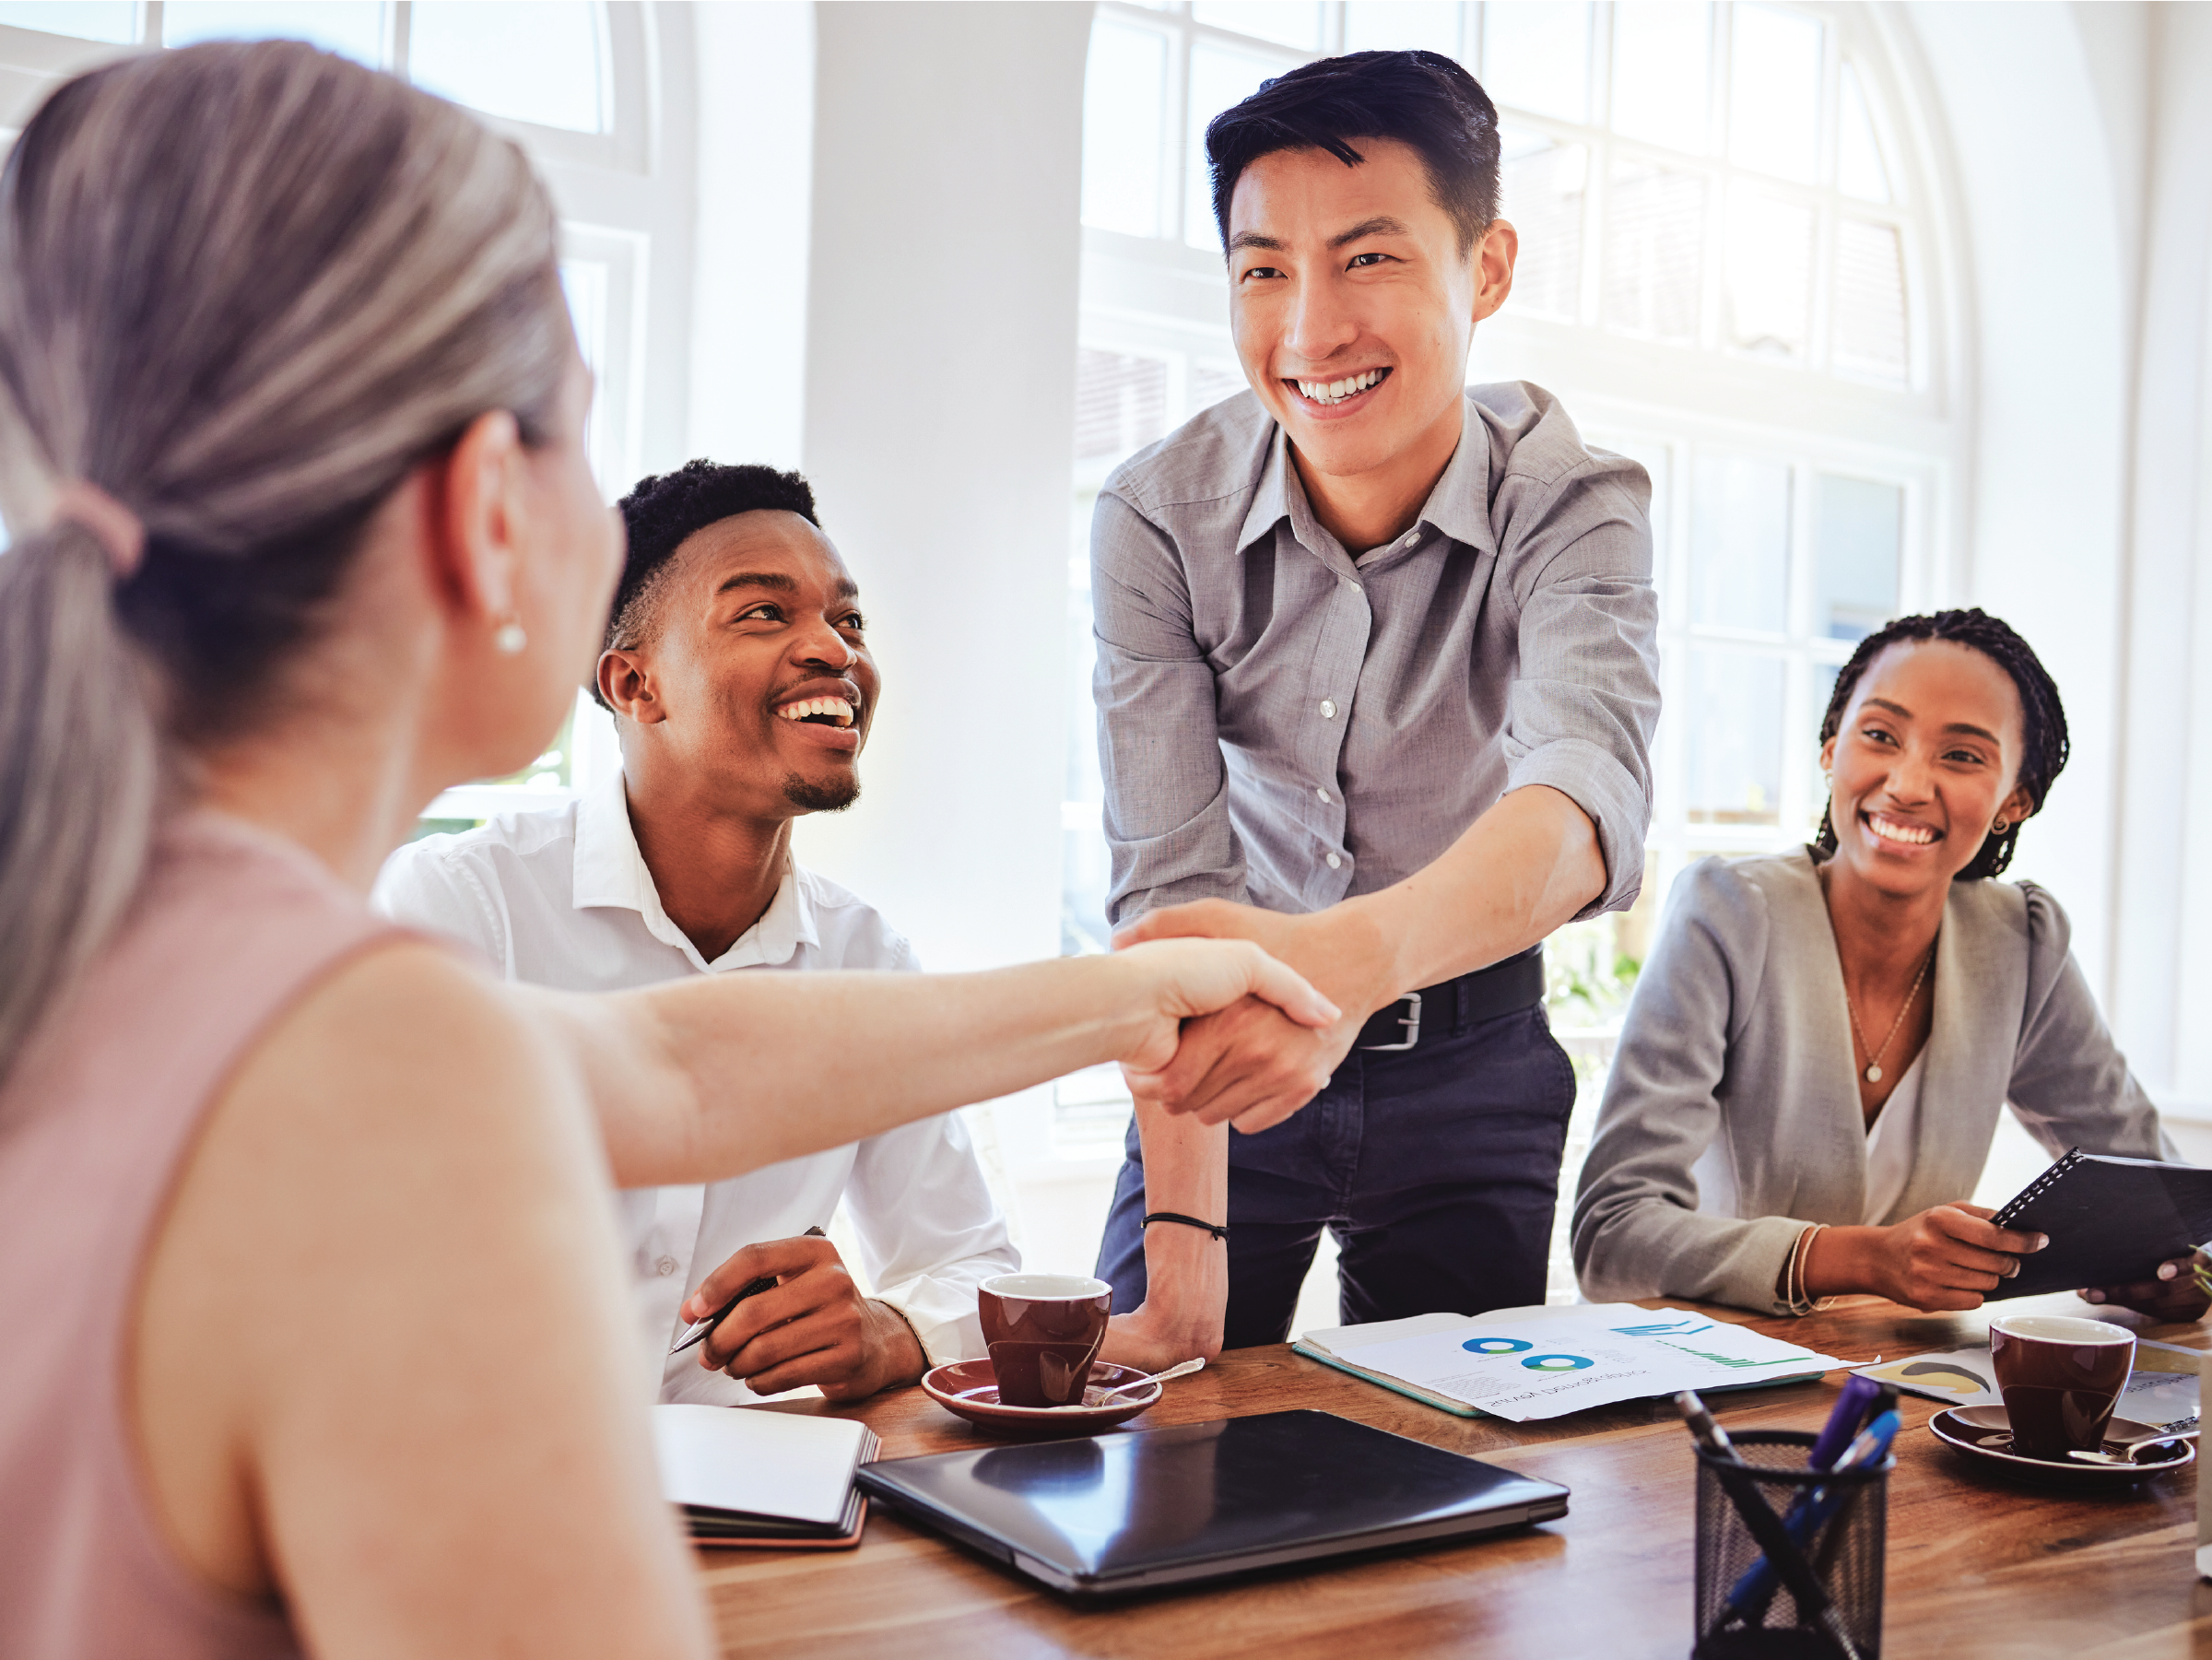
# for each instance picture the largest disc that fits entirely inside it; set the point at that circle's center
(752, 1476)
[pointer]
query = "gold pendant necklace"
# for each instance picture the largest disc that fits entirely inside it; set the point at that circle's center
(1873, 1062)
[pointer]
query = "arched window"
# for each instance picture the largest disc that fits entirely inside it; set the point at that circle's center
(1723, 273)
(571, 81)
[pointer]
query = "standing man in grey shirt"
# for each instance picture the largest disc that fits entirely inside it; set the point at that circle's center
(1376, 688)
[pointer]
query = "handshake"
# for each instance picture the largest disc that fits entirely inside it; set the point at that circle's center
(1254, 1058)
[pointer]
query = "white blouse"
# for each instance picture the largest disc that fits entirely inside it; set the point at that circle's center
(1890, 1145)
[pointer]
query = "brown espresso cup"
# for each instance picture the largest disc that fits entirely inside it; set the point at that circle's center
(1044, 1331)
(2060, 1378)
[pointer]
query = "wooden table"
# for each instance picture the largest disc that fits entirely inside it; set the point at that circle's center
(1976, 1566)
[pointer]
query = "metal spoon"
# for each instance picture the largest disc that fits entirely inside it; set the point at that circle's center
(2182, 1429)
(1183, 1370)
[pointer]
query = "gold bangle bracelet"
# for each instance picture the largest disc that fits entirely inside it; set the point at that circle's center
(1796, 1298)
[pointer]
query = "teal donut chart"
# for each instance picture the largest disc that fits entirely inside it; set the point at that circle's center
(1557, 1363)
(1497, 1346)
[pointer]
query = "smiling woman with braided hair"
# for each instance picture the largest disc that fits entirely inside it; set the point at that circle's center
(1813, 1063)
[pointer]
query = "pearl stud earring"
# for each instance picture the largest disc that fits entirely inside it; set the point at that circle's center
(510, 640)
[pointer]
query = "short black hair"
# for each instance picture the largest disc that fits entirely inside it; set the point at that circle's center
(663, 510)
(2044, 742)
(1421, 98)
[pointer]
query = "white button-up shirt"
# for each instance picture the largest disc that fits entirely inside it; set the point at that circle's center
(564, 899)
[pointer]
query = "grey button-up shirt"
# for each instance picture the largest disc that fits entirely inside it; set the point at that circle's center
(1282, 724)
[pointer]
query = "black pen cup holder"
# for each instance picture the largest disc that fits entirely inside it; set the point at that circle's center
(1789, 1558)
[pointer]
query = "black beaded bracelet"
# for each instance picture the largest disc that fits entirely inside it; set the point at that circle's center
(1188, 1221)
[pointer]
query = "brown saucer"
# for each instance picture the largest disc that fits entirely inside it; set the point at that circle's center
(969, 1389)
(1985, 1433)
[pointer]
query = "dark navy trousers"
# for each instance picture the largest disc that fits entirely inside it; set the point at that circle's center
(1437, 1169)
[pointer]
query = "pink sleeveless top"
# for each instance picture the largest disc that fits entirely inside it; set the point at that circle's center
(230, 928)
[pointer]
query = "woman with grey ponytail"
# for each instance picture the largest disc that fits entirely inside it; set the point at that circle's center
(291, 457)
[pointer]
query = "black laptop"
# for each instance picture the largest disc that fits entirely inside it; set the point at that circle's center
(1135, 1511)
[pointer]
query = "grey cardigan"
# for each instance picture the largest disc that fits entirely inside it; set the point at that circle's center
(1738, 1029)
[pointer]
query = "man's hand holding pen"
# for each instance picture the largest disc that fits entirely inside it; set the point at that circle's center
(812, 1326)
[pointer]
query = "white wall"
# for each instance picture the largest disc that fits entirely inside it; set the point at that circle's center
(2049, 302)
(756, 175)
(938, 433)
(2162, 986)
(2082, 142)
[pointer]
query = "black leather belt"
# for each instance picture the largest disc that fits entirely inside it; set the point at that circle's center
(1451, 1007)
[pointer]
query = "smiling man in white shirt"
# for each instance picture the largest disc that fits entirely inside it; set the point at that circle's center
(737, 669)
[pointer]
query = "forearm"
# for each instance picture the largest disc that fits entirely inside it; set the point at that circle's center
(1841, 1262)
(1186, 1166)
(1186, 1269)
(1520, 871)
(1626, 1247)
(708, 1077)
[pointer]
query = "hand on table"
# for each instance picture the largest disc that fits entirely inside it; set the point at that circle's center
(1186, 1298)
(1152, 1340)
(1946, 1259)
(1249, 1064)
(813, 1327)
(2175, 1294)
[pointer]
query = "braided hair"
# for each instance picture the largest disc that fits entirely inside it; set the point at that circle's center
(2044, 745)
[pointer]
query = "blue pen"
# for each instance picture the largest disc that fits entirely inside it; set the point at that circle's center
(1852, 1411)
(1861, 1400)
(1871, 1447)
(1756, 1589)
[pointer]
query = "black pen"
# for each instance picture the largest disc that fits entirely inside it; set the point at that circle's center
(751, 1287)
(1703, 1425)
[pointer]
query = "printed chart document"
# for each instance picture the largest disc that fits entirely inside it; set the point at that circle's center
(1520, 1369)
(2163, 1388)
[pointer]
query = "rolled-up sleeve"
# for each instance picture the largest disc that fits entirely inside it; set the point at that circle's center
(1582, 710)
(1167, 788)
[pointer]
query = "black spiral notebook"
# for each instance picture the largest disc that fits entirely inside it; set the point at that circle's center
(2111, 1220)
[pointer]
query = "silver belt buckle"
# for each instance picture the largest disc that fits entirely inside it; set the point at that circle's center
(1410, 1020)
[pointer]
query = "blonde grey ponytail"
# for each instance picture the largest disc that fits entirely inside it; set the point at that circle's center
(78, 768)
(244, 289)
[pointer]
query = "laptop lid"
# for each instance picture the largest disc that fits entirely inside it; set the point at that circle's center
(1131, 1510)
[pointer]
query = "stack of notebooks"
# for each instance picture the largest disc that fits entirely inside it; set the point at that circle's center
(751, 1476)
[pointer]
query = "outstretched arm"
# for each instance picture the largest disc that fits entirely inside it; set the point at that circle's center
(1521, 870)
(708, 1078)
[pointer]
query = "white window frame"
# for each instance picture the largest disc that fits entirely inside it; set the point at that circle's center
(624, 197)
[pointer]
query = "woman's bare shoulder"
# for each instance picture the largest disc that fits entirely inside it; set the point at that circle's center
(411, 1006)
(397, 1201)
